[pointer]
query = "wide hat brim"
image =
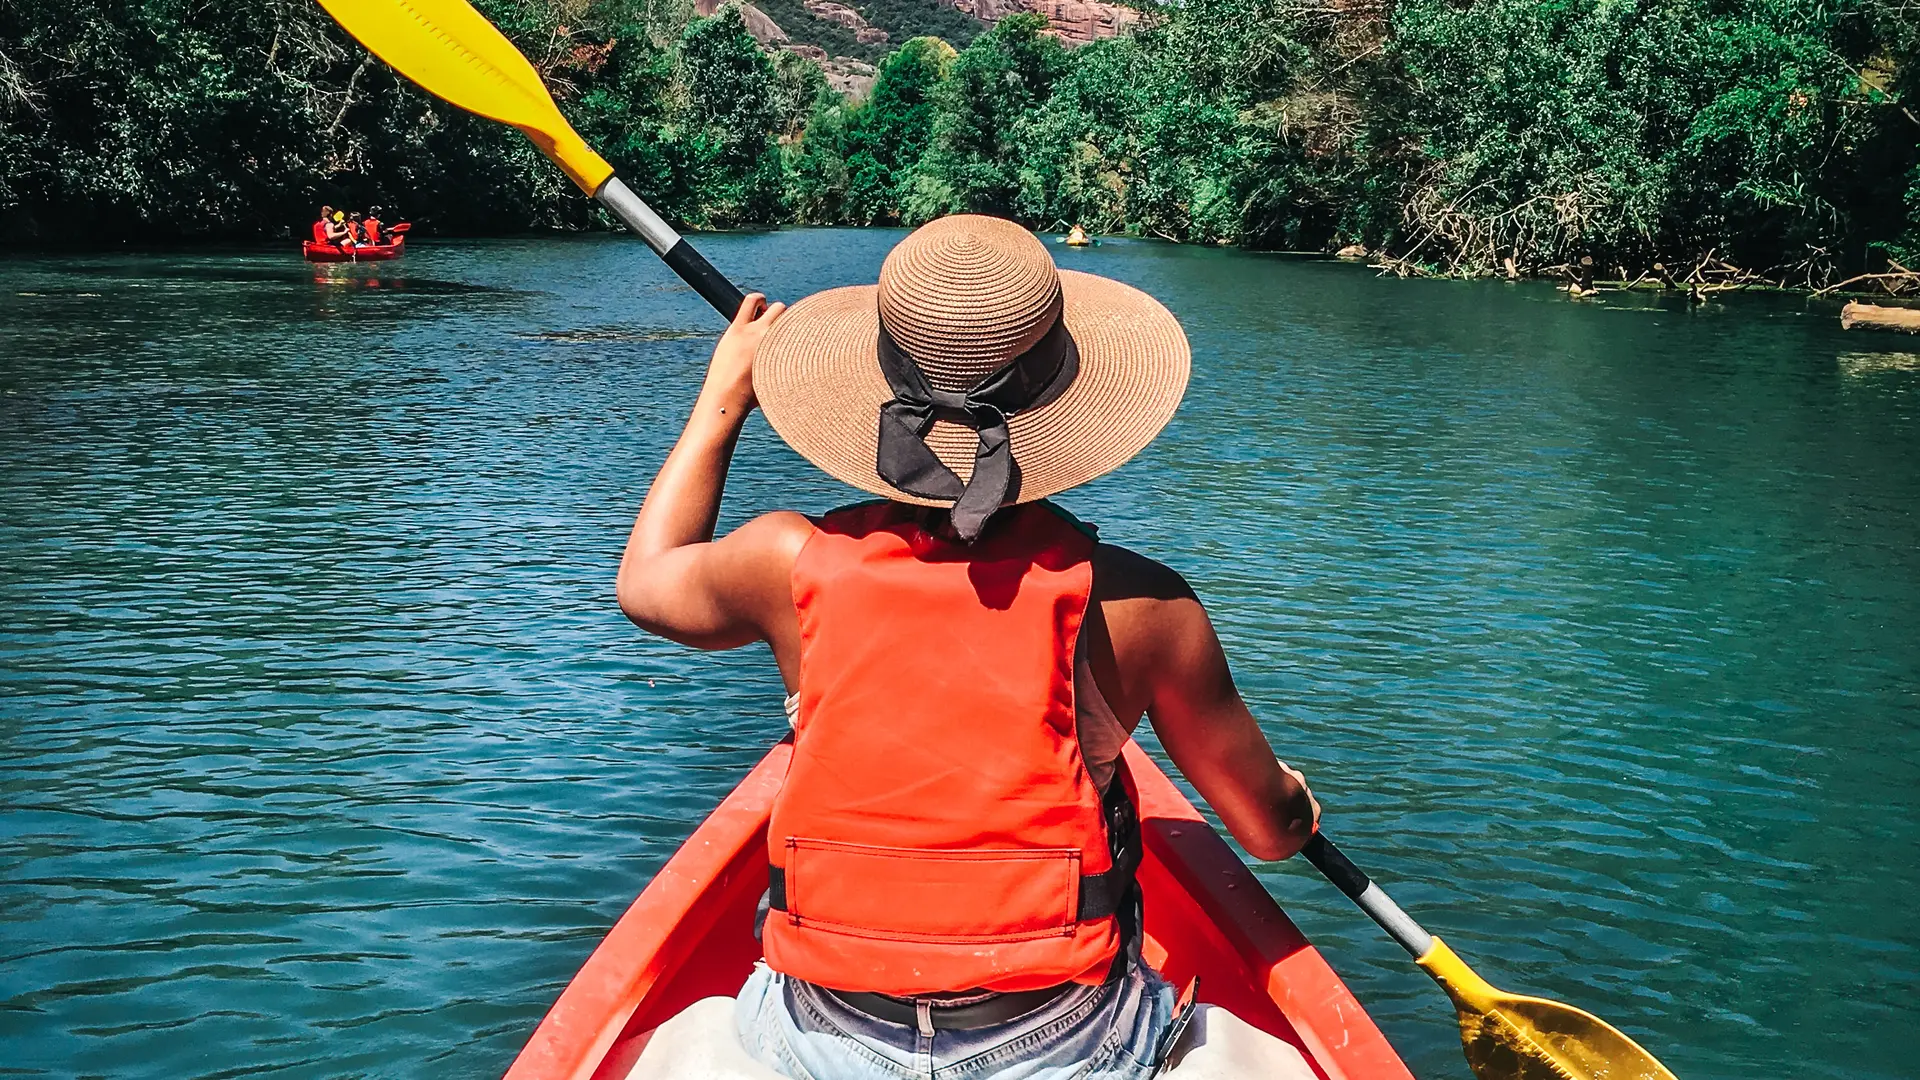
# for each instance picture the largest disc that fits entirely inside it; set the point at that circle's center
(819, 382)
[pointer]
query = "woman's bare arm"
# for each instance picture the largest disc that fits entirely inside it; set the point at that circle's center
(1169, 664)
(675, 579)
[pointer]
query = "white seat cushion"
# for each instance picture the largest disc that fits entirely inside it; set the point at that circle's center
(1221, 1046)
(699, 1044)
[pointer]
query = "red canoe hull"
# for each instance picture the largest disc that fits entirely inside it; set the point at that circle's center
(316, 252)
(690, 936)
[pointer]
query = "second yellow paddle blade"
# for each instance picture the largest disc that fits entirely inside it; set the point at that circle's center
(454, 53)
(1514, 1037)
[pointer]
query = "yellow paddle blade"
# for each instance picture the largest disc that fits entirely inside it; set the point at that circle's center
(1512, 1037)
(454, 53)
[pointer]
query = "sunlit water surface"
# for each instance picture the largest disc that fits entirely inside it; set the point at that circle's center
(325, 752)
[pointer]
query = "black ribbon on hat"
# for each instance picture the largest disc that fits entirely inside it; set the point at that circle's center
(1028, 381)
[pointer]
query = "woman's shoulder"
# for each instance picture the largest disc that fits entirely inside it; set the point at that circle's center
(1145, 620)
(780, 532)
(1122, 574)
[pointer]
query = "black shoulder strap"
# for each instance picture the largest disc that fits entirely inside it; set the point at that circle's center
(1111, 892)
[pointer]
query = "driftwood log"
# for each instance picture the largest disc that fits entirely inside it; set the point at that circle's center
(1858, 316)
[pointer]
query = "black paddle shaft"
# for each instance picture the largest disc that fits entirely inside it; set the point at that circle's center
(695, 270)
(1370, 898)
(673, 249)
(1337, 868)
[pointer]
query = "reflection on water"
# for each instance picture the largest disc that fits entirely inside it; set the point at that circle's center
(326, 752)
(597, 334)
(1866, 363)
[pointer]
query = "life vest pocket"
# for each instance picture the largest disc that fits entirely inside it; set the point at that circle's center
(916, 894)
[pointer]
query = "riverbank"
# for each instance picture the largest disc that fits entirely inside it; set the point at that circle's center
(1900, 288)
(1708, 277)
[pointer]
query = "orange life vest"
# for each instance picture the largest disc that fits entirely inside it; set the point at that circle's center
(938, 830)
(320, 232)
(373, 230)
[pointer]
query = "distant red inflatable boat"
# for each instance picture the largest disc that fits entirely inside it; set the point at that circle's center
(316, 251)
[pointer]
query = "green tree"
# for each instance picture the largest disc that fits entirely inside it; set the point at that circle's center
(969, 165)
(1633, 130)
(1076, 154)
(727, 127)
(855, 158)
(890, 133)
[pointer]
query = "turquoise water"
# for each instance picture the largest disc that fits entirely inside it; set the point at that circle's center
(325, 752)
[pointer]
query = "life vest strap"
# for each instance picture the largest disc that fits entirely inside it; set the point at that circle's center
(1101, 895)
(1111, 892)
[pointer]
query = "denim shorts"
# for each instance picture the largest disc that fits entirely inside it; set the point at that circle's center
(1107, 1032)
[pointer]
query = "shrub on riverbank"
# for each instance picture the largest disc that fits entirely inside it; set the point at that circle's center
(161, 122)
(1781, 135)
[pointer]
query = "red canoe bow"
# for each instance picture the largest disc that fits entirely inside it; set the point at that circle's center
(690, 936)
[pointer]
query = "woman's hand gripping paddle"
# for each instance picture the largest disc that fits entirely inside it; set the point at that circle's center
(454, 53)
(1505, 1036)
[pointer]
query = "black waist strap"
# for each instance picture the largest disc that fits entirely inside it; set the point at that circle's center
(996, 1009)
(1101, 895)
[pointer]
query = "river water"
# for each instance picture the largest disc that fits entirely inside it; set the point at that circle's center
(326, 753)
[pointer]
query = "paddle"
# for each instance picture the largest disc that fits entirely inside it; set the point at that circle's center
(1505, 1036)
(454, 53)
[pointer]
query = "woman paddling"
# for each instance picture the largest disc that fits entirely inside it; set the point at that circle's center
(954, 844)
(337, 232)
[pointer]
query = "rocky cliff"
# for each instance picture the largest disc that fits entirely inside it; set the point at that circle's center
(1073, 21)
(843, 15)
(848, 75)
(1076, 21)
(764, 30)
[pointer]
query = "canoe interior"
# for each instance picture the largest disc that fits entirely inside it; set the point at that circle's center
(690, 936)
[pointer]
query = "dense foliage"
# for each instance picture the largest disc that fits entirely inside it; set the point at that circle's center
(164, 119)
(1455, 134)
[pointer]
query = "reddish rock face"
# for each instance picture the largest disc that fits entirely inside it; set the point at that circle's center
(1073, 21)
(759, 24)
(836, 13)
(848, 76)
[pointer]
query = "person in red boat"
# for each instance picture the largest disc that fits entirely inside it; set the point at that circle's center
(337, 232)
(320, 227)
(371, 226)
(953, 847)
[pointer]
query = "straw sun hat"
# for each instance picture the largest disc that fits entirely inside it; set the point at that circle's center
(973, 353)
